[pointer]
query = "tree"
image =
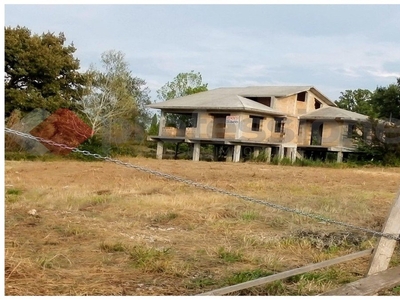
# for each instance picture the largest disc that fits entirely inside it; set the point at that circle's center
(358, 101)
(141, 94)
(386, 101)
(154, 126)
(113, 96)
(383, 142)
(40, 72)
(183, 84)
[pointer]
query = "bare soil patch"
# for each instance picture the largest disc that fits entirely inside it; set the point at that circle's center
(97, 228)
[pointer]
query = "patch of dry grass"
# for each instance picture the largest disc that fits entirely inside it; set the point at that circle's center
(103, 229)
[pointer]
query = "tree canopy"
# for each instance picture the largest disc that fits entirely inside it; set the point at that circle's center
(183, 84)
(358, 101)
(383, 108)
(386, 101)
(40, 71)
(113, 96)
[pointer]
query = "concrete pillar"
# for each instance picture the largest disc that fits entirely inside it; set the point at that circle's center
(281, 152)
(339, 156)
(288, 152)
(294, 154)
(300, 154)
(268, 153)
(229, 154)
(162, 123)
(215, 153)
(256, 152)
(160, 150)
(198, 124)
(196, 152)
(236, 153)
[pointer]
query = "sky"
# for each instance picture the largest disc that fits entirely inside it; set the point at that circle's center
(332, 47)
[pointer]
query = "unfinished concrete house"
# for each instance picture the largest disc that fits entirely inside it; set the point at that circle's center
(282, 121)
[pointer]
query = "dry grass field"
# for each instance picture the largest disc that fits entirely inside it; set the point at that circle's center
(104, 229)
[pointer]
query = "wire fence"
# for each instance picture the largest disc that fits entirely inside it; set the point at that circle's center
(205, 186)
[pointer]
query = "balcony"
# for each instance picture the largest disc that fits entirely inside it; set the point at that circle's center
(189, 132)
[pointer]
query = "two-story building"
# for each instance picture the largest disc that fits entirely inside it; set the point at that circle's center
(283, 121)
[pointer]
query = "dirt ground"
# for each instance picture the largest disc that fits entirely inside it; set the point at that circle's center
(98, 228)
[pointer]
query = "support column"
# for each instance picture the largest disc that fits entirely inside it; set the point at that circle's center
(196, 152)
(229, 154)
(339, 156)
(288, 152)
(268, 154)
(281, 152)
(300, 154)
(256, 152)
(160, 150)
(236, 153)
(215, 153)
(162, 123)
(293, 154)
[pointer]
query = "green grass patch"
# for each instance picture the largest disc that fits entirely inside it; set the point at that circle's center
(165, 218)
(12, 195)
(396, 290)
(320, 277)
(245, 276)
(70, 231)
(275, 288)
(13, 191)
(26, 156)
(56, 261)
(202, 282)
(113, 247)
(250, 216)
(150, 259)
(229, 256)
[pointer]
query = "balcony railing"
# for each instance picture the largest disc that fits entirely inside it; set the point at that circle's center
(189, 132)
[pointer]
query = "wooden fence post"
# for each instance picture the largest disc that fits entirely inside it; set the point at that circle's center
(384, 250)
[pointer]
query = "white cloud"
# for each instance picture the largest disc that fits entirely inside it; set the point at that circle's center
(381, 73)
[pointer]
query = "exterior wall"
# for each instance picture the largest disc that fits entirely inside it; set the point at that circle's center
(172, 132)
(291, 106)
(247, 134)
(301, 107)
(332, 133)
(232, 128)
(291, 130)
(310, 100)
(347, 142)
(308, 105)
(274, 137)
(304, 132)
(190, 132)
(206, 125)
(286, 105)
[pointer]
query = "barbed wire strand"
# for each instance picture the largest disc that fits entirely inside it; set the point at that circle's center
(205, 186)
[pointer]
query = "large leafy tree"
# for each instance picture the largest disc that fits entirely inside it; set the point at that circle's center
(386, 101)
(356, 100)
(113, 97)
(40, 71)
(383, 142)
(183, 84)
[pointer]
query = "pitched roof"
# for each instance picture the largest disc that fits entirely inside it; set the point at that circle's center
(235, 98)
(334, 113)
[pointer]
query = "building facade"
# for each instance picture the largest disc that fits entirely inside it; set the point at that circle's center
(282, 121)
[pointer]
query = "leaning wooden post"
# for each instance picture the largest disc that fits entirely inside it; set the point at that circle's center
(384, 250)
